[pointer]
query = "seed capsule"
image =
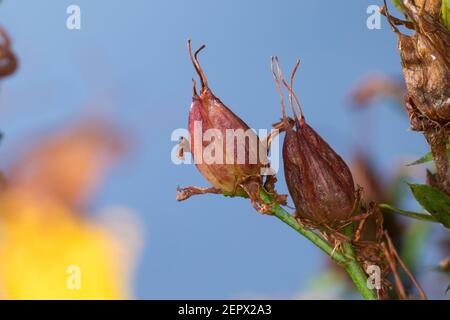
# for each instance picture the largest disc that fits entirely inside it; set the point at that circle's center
(425, 58)
(226, 151)
(319, 181)
(8, 61)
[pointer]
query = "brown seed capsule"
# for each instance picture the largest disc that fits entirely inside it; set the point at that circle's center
(226, 151)
(8, 61)
(319, 181)
(425, 58)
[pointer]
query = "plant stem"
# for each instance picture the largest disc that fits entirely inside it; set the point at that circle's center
(355, 270)
(287, 218)
(347, 260)
(359, 278)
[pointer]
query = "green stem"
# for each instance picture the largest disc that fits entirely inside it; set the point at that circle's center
(354, 269)
(347, 260)
(287, 218)
(359, 278)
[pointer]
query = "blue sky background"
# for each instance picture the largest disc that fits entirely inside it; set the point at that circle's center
(131, 59)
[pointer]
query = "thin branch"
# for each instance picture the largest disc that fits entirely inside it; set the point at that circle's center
(399, 285)
(347, 260)
(287, 218)
(405, 268)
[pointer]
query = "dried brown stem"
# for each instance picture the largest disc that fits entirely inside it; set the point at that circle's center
(399, 288)
(277, 82)
(291, 91)
(426, 67)
(194, 59)
(187, 192)
(404, 267)
(438, 141)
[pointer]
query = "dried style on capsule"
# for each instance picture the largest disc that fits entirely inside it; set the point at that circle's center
(226, 151)
(319, 181)
(425, 58)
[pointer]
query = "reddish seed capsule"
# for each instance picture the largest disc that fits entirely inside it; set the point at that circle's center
(319, 181)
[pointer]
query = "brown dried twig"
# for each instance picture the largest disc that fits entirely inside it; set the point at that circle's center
(404, 267)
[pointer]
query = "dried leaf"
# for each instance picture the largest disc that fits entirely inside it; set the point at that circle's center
(426, 67)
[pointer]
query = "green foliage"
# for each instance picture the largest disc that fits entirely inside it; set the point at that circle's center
(399, 5)
(445, 8)
(436, 202)
(446, 13)
(426, 158)
(409, 214)
(429, 157)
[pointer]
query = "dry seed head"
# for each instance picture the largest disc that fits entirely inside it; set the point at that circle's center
(319, 181)
(208, 111)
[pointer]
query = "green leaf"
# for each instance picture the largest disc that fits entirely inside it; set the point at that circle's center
(429, 156)
(426, 158)
(399, 5)
(448, 289)
(410, 214)
(446, 13)
(436, 202)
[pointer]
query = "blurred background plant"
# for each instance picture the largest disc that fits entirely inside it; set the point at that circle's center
(46, 225)
(43, 229)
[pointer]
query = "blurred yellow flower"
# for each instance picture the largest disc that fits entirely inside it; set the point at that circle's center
(41, 244)
(68, 165)
(49, 247)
